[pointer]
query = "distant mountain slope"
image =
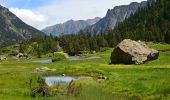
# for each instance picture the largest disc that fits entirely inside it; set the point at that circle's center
(70, 26)
(13, 30)
(114, 16)
(151, 23)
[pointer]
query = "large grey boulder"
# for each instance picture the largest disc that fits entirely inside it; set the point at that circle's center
(133, 52)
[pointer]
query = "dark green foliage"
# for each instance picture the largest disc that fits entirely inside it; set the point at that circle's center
(167, 37)
(72, 43)
(82, 42)
(39, 87)
(39, 46)
(151, 23)
(101, 41)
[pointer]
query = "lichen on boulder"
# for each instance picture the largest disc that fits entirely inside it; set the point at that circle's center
(133, 52)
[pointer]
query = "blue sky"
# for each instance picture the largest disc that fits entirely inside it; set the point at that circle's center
(43, 13)
(27, 4)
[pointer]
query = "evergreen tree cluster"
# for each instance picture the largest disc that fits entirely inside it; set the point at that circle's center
(151, 23)
(82, 42)
(39, 45)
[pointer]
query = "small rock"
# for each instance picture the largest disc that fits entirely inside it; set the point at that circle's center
(102, 77)
(44, 69)
(3, 58)
(94, 52)
(20, 55)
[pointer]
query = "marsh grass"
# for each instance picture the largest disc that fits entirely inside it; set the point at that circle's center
(149, 81)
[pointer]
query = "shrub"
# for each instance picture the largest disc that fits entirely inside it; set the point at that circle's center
(59, 56)
(49, 55)
(104, 49)
(39, 87)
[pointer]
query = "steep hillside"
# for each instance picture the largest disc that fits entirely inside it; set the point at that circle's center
(151, 23)
(13, 30)
(114, 16)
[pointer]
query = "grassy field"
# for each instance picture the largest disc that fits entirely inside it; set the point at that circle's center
(149, 81)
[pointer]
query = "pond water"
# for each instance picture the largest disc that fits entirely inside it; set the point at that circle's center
(54, 80)
(72, 58)
(46, 61)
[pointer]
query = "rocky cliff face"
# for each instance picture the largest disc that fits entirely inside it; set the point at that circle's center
(69, 27)
(13, 30)
(114, 16)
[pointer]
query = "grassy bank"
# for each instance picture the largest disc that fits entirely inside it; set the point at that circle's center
(124, 82)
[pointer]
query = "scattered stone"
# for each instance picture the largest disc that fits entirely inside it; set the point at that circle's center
(94, 52)
(44, 69)
(20, 55)
(3, 58)
(102, 77)
(63, 74)
(133, 52)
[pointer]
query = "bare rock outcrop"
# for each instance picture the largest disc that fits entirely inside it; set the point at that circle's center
(133, 52)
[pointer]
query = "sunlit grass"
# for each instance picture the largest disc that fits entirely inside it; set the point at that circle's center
(124, 82)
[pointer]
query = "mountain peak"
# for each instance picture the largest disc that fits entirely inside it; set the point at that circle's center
(71, 20)
(70, 26)
(114, 16)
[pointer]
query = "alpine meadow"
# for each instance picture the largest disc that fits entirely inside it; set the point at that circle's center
(112, 54)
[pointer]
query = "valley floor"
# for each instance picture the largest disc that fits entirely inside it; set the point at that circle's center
(124, 82)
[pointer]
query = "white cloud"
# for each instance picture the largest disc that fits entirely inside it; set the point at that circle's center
(60, 11)
(30, 17)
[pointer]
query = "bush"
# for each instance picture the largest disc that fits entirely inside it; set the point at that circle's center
(104, 49)
(59, 56)
(49, 55)
(38, 87)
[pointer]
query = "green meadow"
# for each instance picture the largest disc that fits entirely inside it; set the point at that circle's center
(150, 81)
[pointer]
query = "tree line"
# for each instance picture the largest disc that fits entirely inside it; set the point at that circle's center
(150, 23)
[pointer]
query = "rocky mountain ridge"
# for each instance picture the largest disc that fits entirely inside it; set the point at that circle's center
(14, 30)
(116, 15)
(70, 26)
